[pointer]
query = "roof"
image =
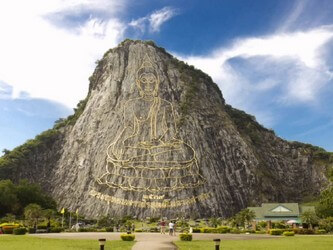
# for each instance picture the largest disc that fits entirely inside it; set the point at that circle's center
(279, 211)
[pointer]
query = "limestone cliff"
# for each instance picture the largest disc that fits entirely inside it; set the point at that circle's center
(155, 137)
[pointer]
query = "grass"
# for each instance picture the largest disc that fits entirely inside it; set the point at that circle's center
(285, 243)
(10, 242)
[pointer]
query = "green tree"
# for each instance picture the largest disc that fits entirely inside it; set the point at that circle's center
(28, 193)
(32, 213)
(214, 222)
(244, 217)
(106, 221)
(10, 218)
(325, 206)
(310, 218)
(8, 199)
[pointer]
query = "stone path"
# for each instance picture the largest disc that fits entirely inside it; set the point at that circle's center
(153, 241)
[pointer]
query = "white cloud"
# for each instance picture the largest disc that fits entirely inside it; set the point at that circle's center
(159, 17)
(153, 21)
(48, 61)
(301, 72)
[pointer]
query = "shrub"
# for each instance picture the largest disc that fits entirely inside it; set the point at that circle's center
(303, 231)
(127, 237)
(20, 231)
(109, 229)
(235, 231)
(275, 232)
(279, 225)
(326, 224)
(288, 233)
(138, 230)
(209, 230)
(8, 228)
(185, 237)
(321, 231)
(56, 229)
(87, 229)
(260, 232)
(196, 230)
(31, 230)
(251, 231)
(223, 230)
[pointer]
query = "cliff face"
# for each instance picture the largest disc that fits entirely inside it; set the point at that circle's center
(155, 137)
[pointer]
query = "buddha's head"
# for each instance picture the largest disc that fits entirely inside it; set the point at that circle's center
(147, 79)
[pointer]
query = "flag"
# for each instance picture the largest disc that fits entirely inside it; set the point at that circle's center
(77, 211)
(62, 210)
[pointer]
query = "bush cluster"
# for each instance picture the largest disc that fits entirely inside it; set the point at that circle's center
(321, 231)
(303, 231)
(127, 237)
(275, 231)
(196, 230)
(56, 230)
(288, 233)
(20, 231)
(185, 237)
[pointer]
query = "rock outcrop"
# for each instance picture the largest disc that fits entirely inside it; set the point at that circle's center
(155, 137)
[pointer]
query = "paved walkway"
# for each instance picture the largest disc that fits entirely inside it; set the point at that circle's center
(153, 241)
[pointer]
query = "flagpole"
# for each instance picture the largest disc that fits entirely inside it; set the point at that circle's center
(63, 214)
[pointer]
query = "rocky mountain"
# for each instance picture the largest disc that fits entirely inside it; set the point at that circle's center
(155, 137)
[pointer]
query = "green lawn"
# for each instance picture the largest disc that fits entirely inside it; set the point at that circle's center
(20, 242)
(285, 243)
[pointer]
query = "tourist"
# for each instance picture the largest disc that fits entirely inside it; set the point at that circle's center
(171, 225)
(162, 224)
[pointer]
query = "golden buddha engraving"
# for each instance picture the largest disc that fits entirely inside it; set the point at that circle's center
(148, 155)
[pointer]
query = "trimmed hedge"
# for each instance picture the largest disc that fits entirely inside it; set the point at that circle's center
(321, 231)
(208, 230)
(288, 233)
(303, 231)
(235, 231)
(109, 229)
(260, 232)
(223, 230)
(127, 237)
(196, 230)
(275, 231)
(56, 230)
(20, 231)
(185, 237)
(87, 229)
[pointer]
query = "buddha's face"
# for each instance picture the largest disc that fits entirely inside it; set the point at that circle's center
(148, 84)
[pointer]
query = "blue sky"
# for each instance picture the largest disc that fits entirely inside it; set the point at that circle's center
(273, 59)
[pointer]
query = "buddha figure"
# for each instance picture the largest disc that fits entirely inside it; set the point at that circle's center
(147, 155)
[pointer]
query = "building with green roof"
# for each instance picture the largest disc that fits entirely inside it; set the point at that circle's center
(280, 212)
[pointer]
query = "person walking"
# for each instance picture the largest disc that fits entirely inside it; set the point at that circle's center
(162, 224)
(171, 225)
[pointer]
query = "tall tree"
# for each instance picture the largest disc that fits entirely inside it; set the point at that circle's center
(310, 218)
(325, 206)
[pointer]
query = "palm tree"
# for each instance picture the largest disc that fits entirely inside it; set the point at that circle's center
(32, 213)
